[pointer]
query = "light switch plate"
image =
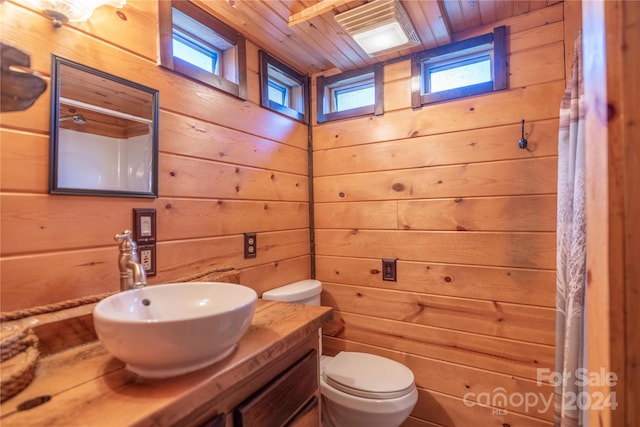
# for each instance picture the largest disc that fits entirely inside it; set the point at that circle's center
(144, 225)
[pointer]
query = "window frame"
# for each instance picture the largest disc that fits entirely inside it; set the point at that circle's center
(207, 50)
(236, 56)
(266, 61)
(466, 49)
(324, 85)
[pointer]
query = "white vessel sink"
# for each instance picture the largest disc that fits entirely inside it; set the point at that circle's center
(161, 331)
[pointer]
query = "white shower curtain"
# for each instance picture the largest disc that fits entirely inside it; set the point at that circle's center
(571, 249)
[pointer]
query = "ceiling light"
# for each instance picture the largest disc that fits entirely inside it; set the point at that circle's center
(71, 10)
(379, 27)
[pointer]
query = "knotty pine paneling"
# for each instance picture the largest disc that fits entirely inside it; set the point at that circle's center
(501, 213)
(189, 177)
(516, 213)
(226, 166)
(471, 220)
(472, 146)
(498, 319)
(490, 110)
(515, 177)
(90, 271)
(25, 161)
(177, 94)
(499, 249)
(443, 410)
(231, 146)
(541, 18)
(516, 285)
(503, 355)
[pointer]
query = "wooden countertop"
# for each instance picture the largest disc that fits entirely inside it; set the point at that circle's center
(89, 387)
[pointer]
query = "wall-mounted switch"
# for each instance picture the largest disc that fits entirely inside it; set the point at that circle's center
(250, 245)
(144, 225)
(389, 271)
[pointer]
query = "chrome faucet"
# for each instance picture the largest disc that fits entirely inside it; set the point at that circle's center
(132, 274)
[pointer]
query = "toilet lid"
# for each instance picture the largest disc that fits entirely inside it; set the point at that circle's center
(367, 375)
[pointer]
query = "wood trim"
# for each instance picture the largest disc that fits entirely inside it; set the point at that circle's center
(457, 46)
(320, 84)
(207, 19)
(263, 59)
(348, 74)
(348, 114)
(500, 73)
(317, 9)
(613, 238)
(461, 92)
(165, 31)
(186, 69)
(416, 101)
(611, 292)
(378, 76)
(241, 57)
(631, 14)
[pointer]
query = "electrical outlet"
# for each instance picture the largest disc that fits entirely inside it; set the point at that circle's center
(389, 271)
(147, 258)
(250, 245)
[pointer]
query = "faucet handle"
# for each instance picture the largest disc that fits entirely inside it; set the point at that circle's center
(126, 242)
(126, 234)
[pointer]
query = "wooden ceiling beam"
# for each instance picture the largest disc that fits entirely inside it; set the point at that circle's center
(323, 6)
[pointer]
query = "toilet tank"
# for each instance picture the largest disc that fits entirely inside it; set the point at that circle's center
(302, 292)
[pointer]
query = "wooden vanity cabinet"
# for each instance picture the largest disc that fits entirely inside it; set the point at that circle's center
(291, 399)
(308, 416)
(270, 380)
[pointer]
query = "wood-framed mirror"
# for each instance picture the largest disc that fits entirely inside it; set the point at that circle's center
(104, 133)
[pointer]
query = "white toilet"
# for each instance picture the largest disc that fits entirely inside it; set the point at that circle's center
(358, 389)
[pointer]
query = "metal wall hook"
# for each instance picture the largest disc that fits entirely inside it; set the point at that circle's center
(523, 141)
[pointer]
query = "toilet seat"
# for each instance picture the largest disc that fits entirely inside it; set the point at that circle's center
(368, 376)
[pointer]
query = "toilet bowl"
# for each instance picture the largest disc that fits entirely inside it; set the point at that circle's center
(358, 389)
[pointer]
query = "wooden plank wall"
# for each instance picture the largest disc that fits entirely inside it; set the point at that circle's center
(226, 167)
(611, 47)
(470, 218)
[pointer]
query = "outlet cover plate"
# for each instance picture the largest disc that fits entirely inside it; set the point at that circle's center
(250, 245)
(389, 270)
(147, 257)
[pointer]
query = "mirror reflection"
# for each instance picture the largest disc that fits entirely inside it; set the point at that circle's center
(104, 133)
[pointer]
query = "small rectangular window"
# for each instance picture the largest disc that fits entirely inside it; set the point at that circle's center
(464, 68)
(350, 94)
(278, 93)
(283, 89)
(194, 53)
(457, 74)
(199, 46)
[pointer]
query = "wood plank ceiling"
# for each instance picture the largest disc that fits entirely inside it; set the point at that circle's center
(313, 42)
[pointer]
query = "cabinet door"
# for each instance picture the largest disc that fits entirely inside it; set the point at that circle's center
(219, 421)
(280, 400)
(309, 416)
